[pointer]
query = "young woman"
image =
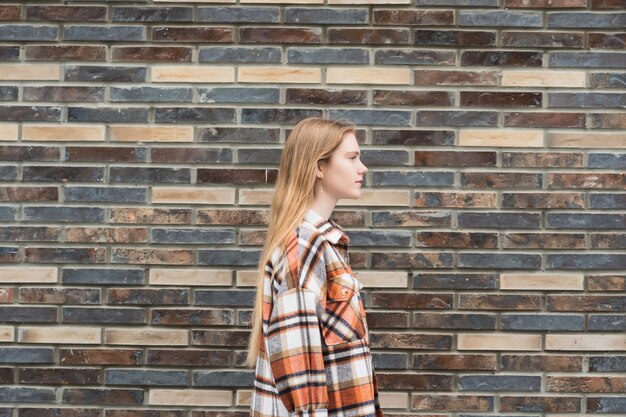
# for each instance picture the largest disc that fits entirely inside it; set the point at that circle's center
(310, 340)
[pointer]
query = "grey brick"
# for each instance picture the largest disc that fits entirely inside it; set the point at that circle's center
(381, 238)
(152, 14)
(611, 363)
(500, 18)
(224, 298)
(8, 214)
(151, 94)
(107, 114)
(194, 115)
(326, 16)
(8, 173)
(24, 354)
(228, 257)
(390, 360)
(145, 377)
(258, 156)
(609, 323)
(28, 33)
(105, 33)
(9, 53)
(455, 281)
(64, 214)
(585, 221)
(587, 59)
(8, 93)
(499, 260)
(237, 134)
(239, 14)
(456, 118)
(277, 115)
(499, 383)
(602, 20)
(105, 73)
(587, 100)
(327, 56)
(104, 315)
(410, 57)
(607, 160)
(413, 178)
(25, 395)
(222, 54)
(499, 220)
(16, 314)
(607, 201)
(238, 95)
(373, 117)
(150, 175)
(106, 194)
(211, 236)
(231, 379)
(534, 322)
(108, 276)
(586, 261)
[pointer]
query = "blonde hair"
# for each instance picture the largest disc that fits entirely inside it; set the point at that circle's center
(313, 139)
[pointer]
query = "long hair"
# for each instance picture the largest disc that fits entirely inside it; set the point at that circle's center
(313, 139)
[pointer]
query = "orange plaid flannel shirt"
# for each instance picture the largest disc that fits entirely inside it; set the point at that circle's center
(314, 356)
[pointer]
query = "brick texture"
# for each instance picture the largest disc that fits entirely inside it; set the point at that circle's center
(139, 144)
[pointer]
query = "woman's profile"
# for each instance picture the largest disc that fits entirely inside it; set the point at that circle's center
(310, 341)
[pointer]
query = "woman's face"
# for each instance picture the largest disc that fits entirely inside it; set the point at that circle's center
(344, 175)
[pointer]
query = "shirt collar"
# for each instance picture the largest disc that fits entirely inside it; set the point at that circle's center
(331, 230)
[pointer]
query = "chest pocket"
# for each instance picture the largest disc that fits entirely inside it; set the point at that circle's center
(342, 317)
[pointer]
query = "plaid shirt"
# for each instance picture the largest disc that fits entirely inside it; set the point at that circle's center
(314, 358)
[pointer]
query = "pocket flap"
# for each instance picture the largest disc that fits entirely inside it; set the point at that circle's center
(343, 287)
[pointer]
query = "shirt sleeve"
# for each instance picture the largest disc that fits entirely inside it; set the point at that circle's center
(295, 339)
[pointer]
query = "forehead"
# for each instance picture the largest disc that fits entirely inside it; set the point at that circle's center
(349, 143)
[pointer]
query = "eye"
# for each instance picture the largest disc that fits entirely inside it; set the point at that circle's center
(354, 157)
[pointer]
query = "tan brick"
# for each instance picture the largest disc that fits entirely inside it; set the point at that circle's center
(243, 397)
(146, 336)
(586, 342)
(541, 281)
(193, 195)
(7, 334)
(501, 137)
(151, 133)
(256, 196)
(63, 132)
(394, 400)
(503, 341)
(190, 397)
(249, 74)
(196, 73)
(25, 72)
(284, 1)
(8, 131)
(382, 279)
(527, 78)
(246, 278)
(368, 76)
(190, 277)
(586, 140)
(363, 2)
(379, 198)
(60, 334)
(14, 274)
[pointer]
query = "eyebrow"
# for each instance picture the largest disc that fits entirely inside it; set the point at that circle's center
(356, 152)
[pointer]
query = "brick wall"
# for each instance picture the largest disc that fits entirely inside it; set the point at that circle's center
(139, 144)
